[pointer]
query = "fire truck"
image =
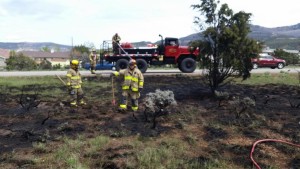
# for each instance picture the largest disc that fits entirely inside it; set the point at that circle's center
(168, 51)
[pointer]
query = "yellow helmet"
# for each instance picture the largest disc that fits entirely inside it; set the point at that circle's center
(74, 62)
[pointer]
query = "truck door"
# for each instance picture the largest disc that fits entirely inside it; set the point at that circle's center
(171, 47)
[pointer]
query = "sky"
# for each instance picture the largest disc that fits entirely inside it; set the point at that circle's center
(80, 22)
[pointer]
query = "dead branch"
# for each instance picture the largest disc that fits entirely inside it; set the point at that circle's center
(29, 101)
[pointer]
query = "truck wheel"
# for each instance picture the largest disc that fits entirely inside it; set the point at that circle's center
(122, 64)
(142, 65)
(187, 65)
(254, 65)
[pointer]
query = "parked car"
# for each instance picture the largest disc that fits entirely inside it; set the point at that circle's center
(265, 60)
(103, 65)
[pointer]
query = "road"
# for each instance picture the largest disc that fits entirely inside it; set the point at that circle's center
(149, 72)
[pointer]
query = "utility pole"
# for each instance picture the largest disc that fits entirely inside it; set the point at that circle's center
(72, 47)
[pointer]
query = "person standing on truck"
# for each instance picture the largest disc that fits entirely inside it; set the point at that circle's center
(115, 42)
(93, 61)
(74, 84)
(132, 85)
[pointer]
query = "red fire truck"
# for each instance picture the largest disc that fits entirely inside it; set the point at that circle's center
(167, 52)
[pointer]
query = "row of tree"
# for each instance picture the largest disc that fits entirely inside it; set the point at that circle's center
(19, 61)
(290, 58)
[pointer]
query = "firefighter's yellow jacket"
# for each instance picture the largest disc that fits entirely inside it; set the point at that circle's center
(93, 57)
(133, 79)
(74, 79)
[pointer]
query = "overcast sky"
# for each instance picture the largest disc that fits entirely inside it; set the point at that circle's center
(92, 21)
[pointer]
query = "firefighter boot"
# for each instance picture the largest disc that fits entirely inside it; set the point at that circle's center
(82, 103)
(73, 104)
(122, 108)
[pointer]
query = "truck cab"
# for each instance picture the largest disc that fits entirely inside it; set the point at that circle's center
(174, 53)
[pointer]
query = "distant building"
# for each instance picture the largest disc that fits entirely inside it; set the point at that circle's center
(62, 58)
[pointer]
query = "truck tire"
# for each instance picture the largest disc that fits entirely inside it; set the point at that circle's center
(187, 65)
(142, 65)
(122, 64)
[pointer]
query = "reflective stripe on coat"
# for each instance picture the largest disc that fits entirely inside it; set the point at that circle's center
(133, 79)
(74, 79)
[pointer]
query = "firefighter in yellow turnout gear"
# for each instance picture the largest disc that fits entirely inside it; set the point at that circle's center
(132, 85)
(93, 60)
(74, 84)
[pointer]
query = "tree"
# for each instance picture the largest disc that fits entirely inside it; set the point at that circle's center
(18, 61)
(81, 53)
(290, 58)
(226, 48)
(46, 49)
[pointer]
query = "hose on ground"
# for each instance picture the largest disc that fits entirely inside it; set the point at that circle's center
(267, 140)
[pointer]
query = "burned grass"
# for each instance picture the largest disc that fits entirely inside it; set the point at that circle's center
(198, 133)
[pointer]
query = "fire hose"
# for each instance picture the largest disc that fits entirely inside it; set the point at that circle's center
(268, 140)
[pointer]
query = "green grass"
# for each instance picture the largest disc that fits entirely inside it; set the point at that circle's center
(70, 153)
(22, 81)
(268, 78)
(49, 87)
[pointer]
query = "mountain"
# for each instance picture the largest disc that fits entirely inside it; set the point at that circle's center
(263, 33)
(33, 46)
(285, 37)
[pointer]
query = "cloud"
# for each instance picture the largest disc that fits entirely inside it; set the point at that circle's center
(59, 21)
(40, 10)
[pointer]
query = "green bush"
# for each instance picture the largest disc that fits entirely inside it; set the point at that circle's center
(56, 66)
(20, 62)
(290, 58)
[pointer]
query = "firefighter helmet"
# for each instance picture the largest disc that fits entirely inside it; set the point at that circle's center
(74, 62)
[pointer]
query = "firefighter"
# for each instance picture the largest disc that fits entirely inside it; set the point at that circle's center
(115, 42)
(74, 84)
(132, 85)
(93, 60)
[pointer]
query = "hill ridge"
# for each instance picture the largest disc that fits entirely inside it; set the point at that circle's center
(286, 37)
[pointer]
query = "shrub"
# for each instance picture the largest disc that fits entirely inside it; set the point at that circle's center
(20, 62)
(155, 103)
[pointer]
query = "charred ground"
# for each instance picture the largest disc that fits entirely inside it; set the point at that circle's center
(208, 127)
